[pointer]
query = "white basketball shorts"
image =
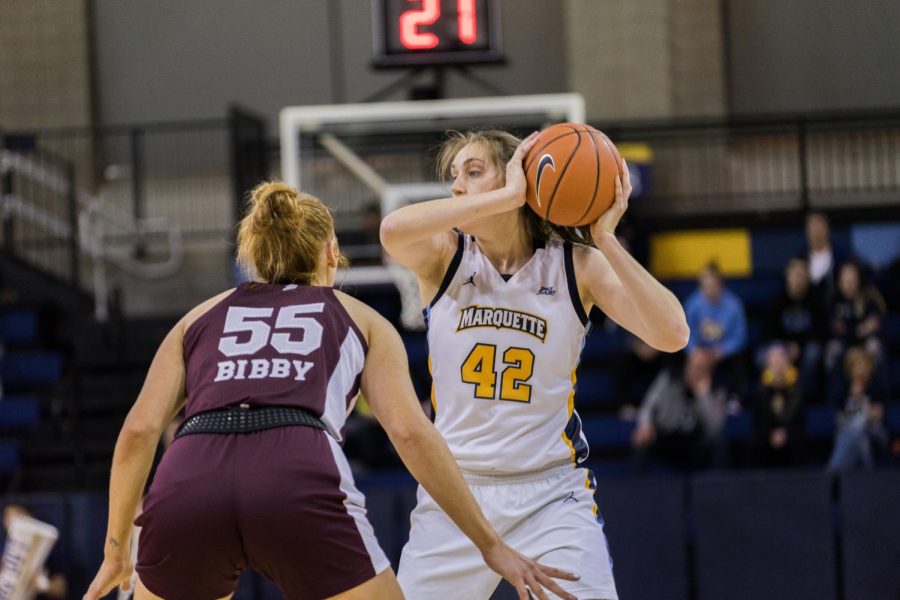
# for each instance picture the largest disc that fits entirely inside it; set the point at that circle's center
(549, 516)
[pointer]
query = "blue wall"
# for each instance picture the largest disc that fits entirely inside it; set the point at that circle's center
(736, 535)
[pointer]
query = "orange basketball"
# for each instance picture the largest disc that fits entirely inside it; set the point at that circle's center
(571, 172)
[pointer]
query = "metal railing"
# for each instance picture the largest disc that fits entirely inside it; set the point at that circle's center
(768, 165)
(53, 226)
(187, 180)
(39, 213)
(178, 170)
(126, 196)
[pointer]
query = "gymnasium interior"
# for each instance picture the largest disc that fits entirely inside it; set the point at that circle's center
(755, 132)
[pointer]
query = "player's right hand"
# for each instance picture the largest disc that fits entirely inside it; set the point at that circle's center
(515, 172)
(115, 571)
(525, 574)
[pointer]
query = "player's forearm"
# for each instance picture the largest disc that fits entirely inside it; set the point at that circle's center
(658, 309)
(423, 220)
(132, 460)
(427, 457)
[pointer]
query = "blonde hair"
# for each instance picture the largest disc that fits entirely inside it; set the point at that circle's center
(282, 233)
(500, 146)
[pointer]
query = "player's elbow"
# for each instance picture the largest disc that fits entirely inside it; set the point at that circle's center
(137, 428)
(682, 337)
(675, 338)
(407, 434)
(389, 232)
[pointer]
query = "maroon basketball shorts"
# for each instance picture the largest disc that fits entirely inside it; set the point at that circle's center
(281, 501)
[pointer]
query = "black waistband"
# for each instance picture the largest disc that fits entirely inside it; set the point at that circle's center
(244, 419)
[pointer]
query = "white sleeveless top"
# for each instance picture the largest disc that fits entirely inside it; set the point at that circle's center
(503, 356)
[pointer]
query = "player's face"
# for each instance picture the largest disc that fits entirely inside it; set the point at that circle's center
(473, 171)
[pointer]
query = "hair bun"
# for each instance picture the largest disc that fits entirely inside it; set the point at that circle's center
(282, 233)
(273, 191)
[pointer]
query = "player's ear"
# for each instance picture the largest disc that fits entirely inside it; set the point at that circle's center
(332, 254)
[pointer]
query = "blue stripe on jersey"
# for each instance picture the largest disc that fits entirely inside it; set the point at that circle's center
(569, 263)
(573, 433)
(573, 427)
(451, 268)
(448, 276)
(592, 485)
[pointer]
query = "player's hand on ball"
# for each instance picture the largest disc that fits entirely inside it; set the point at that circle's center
(515, 171)
(525, 574)
(115, 571)
(610, 219)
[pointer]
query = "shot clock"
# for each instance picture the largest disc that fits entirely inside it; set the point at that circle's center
(412, 33)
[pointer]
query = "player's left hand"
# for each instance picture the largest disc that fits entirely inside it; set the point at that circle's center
(115, 571)
(516, 183)
(610, 219)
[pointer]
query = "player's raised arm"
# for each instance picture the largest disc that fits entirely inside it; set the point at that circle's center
(419, 236)
(614, 281)
(389, 391)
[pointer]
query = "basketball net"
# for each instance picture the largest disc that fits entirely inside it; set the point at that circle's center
(407, 283)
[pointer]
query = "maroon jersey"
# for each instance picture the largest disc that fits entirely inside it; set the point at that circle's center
(275, 345)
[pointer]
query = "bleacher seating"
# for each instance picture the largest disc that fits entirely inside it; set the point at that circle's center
(18, 326)
(9, 456)
(31, 368)
(27, 371)
(19, 412)
(599, 391)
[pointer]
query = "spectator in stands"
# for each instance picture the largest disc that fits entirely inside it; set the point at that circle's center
(50, 583)
(821, 254)
(638, 363)
(797, 319)
(637, 366)
(718, 333)
(856, 320)
(861, 421)
(680, 420)
(778, 411)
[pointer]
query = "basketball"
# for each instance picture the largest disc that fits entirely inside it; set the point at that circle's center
(571, 173)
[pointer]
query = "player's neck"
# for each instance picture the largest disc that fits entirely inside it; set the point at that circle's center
(507, 252)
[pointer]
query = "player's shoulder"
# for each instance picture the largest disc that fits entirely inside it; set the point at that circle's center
(584, 256)
(204, 307)
(367, 319)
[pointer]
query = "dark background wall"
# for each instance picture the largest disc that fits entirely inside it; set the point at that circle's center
(806, 55)
(653, 59)
(171, 59)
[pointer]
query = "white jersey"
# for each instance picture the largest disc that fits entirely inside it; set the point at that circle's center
(503, 356)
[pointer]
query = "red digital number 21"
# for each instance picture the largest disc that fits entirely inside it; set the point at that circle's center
(411, 20)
